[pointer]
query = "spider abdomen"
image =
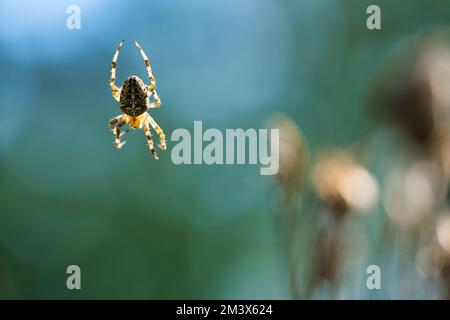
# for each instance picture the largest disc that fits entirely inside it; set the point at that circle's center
(133, 97)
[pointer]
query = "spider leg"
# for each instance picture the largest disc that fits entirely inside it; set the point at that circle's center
(148, 134)
(113, 122)
(114, 88)
(151, 77)
(159, 132)
(156, 102)
(119, 122)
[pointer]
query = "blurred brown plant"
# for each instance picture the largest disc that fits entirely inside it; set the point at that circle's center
(293, 158)
(343, 186)
(412, 194)
(443, 261)
(433, 259)
(293, 151)
(412, 95)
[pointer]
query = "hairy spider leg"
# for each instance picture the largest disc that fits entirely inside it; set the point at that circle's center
(151, 77)
(159, 132)
(157, 101)
(114, 88)
(119, 121)
(148, 134)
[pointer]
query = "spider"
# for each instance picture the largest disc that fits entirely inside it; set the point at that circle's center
(134, 101)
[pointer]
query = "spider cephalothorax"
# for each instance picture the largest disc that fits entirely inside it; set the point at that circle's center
(134, 100)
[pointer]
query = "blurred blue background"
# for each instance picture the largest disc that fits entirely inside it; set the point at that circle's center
(146, 229)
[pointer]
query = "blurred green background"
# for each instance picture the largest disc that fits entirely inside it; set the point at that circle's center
(146, 229)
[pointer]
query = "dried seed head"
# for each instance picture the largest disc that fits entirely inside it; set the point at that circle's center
(293, 152)
(413, 92)
(344, 184)
(412, 194)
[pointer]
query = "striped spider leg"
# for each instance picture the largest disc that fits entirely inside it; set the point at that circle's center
(156, 103)
(112, 80)
(119, 122)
